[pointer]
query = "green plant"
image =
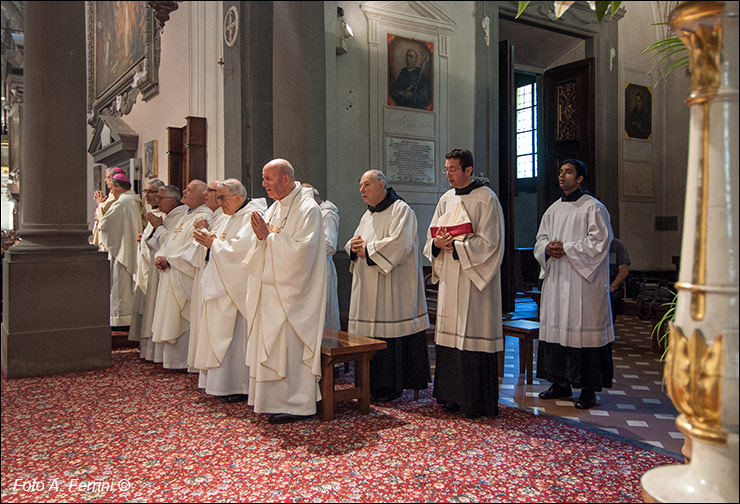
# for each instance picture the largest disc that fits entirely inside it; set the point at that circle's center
(561, 7)
(662, 329)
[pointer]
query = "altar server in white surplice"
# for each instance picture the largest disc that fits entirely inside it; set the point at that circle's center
(118, 230)
(286, 300)
(388, 301)
(330, 223)
(172, 312)
(169, 199)
(465, 243)
(221, 351)
(197, 257)
(144, 262)
(576, 332)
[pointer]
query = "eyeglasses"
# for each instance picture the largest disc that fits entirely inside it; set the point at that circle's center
(445, 171)
(151, 191)
(209, 189)
(222, 197)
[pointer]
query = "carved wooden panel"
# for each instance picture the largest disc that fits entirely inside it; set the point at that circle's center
(567, 125)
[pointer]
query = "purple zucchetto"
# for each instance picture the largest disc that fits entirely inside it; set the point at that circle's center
(121, 177)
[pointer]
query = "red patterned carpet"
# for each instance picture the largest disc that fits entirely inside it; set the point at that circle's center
(138, 433)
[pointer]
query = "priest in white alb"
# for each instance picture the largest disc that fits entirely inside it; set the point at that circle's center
(118, 230)
(221, 351)
(103, 203)
(286, 299)
(172, 312)
(168, 199)
(144, 262)
(388, 300)
(197, 257)
(465, 244)
(576, 332)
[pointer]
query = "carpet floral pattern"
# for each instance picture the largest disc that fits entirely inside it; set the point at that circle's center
(138, 433)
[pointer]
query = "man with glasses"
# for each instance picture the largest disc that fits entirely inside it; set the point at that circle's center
(465, 244)
(197, 257)
(172, 211)
(388, 300)
(221, 350)
(172, 312)
(144, 261)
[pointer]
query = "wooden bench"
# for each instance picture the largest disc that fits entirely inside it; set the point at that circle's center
(526, 331)
(338, 347)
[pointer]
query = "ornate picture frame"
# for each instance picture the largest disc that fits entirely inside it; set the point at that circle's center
(123, 50)
(410, 73)
(150, 159)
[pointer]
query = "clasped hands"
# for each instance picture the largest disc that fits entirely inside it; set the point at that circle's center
(555, 249)
(357, 245)
(443, 239)
(154, 220)
(161, 263)
(99, 197)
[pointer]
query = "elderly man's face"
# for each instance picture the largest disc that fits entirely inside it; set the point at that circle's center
(371, 189)
(211, 193)
(411, 59)
(150, 195)
(276, 183)
(193, 195)
(166, 203)
(229, 202)
(109, 179)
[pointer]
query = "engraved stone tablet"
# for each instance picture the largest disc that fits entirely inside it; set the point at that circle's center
(409, 161)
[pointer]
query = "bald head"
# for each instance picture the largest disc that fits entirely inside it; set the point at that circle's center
(278, 178)
(194, 194)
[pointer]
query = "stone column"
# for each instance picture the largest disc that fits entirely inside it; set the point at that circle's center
(56, 286)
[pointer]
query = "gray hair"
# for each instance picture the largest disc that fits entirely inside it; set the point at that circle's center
(379, 176)
(172, 191)
(158, 184)
(234, 186)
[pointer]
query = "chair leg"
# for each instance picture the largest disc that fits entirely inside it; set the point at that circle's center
(416, 395)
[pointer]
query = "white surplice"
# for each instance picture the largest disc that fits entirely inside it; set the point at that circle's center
(172, 312)
(196, 256)
(118, 229)
(99, 213)
(388, 299)
(154, 240)
(574, 306)
(143, 267)
(221, 352)
(469, 295)
(330, 216)
(285, 302)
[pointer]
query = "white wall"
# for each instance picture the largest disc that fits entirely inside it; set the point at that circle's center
(353, 108)
(650, 249)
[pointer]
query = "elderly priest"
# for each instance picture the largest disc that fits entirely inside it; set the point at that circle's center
(286, 299)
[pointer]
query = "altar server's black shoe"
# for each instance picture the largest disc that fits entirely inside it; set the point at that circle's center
(556, 392)
(236, 398)
(586, 400)
(283, 418)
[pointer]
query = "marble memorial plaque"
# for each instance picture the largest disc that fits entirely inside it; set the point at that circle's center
(409, 161)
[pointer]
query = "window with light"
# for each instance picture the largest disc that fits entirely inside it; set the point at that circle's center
(526, 131)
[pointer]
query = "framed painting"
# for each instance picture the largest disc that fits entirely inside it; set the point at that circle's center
(150, 159)
(638, 106)
(410, 73)
(122, 56)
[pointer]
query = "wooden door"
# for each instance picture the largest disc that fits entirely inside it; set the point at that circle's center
(569, 127)
(507, 169)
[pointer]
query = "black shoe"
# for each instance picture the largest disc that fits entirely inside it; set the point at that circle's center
(386, 398)
(451, 407)
(236, 398)
(283, 418)
(556, 392)
(586, 400)
(471, 415)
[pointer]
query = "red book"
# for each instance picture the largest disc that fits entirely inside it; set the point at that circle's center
(456, 230)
